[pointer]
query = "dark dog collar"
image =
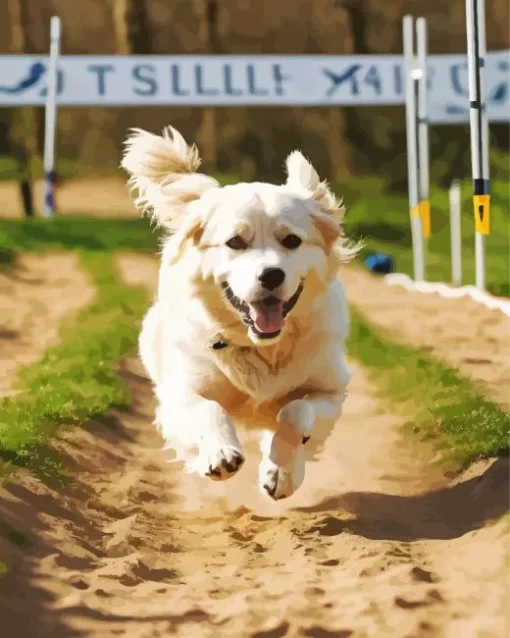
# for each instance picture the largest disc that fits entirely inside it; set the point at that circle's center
(219, 345)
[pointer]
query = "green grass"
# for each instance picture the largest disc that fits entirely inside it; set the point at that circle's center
(382, 220)
(446, 408)
(77, 379)
(91, 234)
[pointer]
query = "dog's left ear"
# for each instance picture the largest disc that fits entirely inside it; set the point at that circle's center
(303, 179)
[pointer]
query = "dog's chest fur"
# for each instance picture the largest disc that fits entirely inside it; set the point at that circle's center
(266, 372)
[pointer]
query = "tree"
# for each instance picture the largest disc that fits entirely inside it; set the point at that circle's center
(329, 33)
(208, 136)
(24, 122)
(131, 26)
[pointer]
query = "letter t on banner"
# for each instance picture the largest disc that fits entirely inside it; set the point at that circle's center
(50, 121)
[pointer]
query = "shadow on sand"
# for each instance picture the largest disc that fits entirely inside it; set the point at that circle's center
(446, 513)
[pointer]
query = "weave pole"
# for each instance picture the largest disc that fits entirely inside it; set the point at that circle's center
(479, 127)
(454, 194)
(50, 120)
(423, 130)
(412, 147)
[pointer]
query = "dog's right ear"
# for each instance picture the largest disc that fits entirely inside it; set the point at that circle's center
(162, 171)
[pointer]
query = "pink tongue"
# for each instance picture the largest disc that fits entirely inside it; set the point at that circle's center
(267, 318)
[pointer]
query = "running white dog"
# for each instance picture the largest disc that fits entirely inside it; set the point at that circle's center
(250, 320)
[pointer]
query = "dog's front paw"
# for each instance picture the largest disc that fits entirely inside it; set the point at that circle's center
(281, 481)
(221, 464)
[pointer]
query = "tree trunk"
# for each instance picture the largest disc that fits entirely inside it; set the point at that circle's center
(24, 123)
(131, 26)
(208, 135)
(357, 12)
(132, 36)
(362, 128)
(334, 129)
(338, 144)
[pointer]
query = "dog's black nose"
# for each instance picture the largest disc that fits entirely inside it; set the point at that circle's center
(271, 278)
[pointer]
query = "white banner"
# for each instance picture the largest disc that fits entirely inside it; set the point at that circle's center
(262, 80)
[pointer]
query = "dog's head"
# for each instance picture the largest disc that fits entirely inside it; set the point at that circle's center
(260, 248)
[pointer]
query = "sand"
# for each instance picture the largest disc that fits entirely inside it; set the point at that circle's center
(86, 196)
(378, 542)
(35, 298)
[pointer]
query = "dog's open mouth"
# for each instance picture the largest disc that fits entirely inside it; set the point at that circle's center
(265, 317)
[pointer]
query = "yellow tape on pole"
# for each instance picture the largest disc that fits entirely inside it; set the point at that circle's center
(482, 209)
(415, 212)
(424, 209)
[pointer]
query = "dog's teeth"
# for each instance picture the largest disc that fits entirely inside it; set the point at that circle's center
(244, 310)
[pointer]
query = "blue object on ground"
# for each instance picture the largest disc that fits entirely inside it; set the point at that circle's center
(380, 263)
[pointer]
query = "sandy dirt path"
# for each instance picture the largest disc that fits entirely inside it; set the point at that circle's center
(377, 542)
(86, 196)
(35, 298)
(466, 334)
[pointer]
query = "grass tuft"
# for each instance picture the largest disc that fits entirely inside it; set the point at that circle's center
(75, 232)
(446, 409)
(76, 380)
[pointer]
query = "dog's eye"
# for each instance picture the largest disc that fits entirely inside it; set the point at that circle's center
(237, 243)
(291, 242)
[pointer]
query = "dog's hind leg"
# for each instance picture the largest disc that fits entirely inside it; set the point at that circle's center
(150, 343)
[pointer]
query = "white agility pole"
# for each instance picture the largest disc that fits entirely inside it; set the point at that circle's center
(476, 49)
(485, 144)
(423, 131)
(412, 151)
(50, 121)
(455, 232)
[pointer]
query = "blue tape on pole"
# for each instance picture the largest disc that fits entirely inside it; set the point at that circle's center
(49, 199)
(481, 186)
(50, 178)
(380, 263)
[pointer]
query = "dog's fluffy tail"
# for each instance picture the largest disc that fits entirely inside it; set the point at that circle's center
(162, 171)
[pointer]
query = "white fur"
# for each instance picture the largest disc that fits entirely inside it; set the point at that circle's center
(288, 387)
